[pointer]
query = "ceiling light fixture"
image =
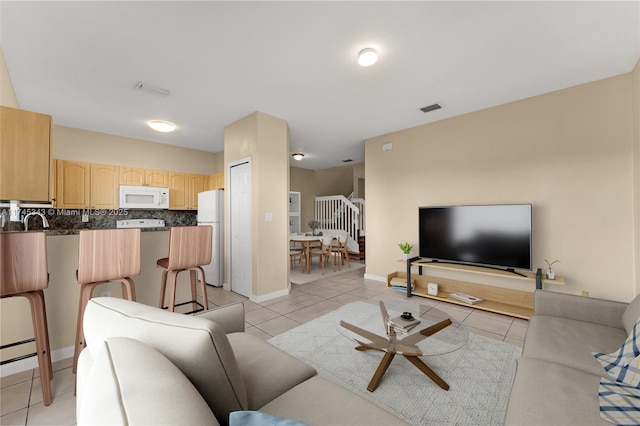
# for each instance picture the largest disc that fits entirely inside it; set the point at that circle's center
(161, 126)
(297, 156)
(367, 57)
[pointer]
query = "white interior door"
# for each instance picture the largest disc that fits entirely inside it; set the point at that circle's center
(240, 225)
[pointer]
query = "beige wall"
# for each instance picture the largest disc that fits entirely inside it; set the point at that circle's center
(569, 153)
(7, 94)
(636, 145)
(83, 145)
(265, 140)
(318, 183)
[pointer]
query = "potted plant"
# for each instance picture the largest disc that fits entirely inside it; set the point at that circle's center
(406, 250)
(314, 225)
(550, 272)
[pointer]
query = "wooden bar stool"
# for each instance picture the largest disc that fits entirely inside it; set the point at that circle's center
(105, 255)
(189, 248)
(23, 273)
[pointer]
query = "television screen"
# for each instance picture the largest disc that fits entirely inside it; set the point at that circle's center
(486, 235)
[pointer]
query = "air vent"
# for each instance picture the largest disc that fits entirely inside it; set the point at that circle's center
(145, 87)
(430, 108)
(348, 160)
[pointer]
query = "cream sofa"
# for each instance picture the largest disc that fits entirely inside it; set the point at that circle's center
(557, 378)
(143, 365)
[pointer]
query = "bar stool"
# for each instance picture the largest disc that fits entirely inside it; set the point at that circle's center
(105, 255)
(23, 273)
(189, 248)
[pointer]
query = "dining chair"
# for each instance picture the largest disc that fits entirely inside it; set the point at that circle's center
(296, 251)
(339, 249)
(323, 251)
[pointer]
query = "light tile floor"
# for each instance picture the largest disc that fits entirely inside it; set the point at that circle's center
(21, 394)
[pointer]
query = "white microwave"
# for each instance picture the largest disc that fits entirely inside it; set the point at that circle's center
(143, 197)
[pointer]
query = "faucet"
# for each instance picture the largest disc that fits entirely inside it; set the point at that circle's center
(45, 223)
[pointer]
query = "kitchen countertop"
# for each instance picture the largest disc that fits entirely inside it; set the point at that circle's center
(56, 232)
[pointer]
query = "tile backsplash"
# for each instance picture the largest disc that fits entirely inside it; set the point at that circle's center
(67, 219)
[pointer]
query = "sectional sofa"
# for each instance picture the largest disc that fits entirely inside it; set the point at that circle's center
(557, 377)
(143, 365)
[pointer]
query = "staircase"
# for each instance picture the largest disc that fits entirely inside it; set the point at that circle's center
(337, 213)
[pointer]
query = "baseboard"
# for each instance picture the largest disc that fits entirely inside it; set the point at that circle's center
(269, 296)
(31, 363)
(375, 278)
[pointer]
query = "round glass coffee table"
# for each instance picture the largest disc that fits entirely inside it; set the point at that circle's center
(404, 328)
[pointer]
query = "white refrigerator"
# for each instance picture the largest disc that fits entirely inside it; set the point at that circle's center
(210, 212)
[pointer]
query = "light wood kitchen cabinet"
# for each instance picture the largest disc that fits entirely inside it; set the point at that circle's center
(197, 183)
(104, 186)
(184, 188)
(25, 155)
(144, 177)
(157, 178)
(131, 176)
(178, 191)
(216, 181)
(73, 184)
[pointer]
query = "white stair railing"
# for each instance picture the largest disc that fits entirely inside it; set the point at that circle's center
(337, 214)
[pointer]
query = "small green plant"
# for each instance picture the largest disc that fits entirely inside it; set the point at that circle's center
(313, 224)
(550, 264)
(405, 247)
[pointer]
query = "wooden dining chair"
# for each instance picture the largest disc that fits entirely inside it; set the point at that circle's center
(105, 255)
(24, 273)
(296, 251)
(339, 249)
(323, 251)
(190, 247)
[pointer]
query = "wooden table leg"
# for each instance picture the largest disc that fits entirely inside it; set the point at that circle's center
(426, 370)
(382, 368)
(307, 250)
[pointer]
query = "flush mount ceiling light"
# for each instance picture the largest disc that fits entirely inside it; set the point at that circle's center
(367, 57)
(298, 156)
(161, 126)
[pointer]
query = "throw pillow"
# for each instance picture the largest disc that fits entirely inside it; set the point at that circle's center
(250, 418)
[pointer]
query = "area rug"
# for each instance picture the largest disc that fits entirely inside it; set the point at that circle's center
(479, 375)
(296, 276)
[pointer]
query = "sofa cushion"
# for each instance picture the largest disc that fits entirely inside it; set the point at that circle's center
(570, 342)
(268, 375)
(545, 393)
(123, 387)
(318, 401)
(198, 347)
(631, 314)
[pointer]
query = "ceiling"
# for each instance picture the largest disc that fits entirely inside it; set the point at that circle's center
(79, 61)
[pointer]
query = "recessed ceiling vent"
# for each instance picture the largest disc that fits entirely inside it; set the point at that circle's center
(145, 87)
(348, 160)
(430, 108)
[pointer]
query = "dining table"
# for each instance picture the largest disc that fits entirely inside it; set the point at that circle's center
(307, 240)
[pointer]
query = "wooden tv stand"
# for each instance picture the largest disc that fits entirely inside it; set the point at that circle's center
(515, 303)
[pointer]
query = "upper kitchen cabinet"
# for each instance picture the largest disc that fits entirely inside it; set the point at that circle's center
(73, 184)
(25, 155)
(157, 178)
(178, 191)
(131, 176)
(104, 186)
(184, 188)
(216, 181)
(144, 177)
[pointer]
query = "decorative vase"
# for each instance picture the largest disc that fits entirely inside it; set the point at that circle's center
(406, 256)
(551, 274)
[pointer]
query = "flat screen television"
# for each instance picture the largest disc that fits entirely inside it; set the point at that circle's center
(497, 236)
